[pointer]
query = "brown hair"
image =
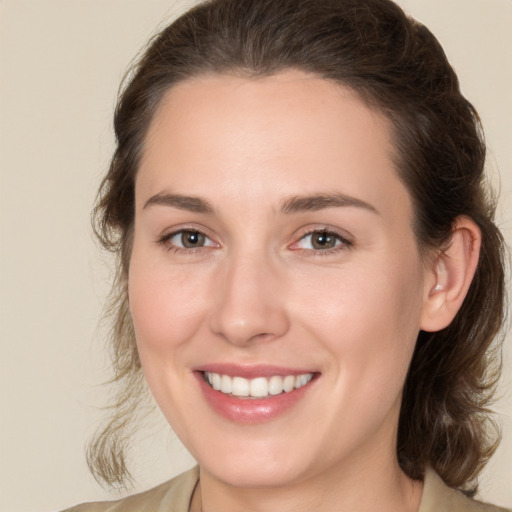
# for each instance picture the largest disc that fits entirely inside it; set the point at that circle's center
(396, 66)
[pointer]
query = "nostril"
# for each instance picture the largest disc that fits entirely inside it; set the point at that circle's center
(248, 307)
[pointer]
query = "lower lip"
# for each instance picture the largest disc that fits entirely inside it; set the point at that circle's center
(250, 410)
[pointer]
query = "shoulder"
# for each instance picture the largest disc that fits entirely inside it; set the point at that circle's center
(438, 497)
(171, 496)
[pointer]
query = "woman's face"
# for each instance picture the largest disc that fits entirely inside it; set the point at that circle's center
(274, 249)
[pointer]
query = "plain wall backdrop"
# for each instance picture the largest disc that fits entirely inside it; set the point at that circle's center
(60, 66)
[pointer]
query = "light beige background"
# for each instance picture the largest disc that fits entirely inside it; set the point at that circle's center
(60, 66)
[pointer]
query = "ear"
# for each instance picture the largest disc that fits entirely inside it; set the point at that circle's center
(450, 275)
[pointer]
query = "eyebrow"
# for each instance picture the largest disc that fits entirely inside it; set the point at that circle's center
(318, 202)
(181, 202)
(295, 204)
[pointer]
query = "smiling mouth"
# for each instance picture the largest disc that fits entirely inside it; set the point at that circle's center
(260, 387)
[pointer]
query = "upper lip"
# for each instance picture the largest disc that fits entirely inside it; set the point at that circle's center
(250, 371)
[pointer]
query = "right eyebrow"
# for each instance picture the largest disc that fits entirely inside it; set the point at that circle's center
(181, 202)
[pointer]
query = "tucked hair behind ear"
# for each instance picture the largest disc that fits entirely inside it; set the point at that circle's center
(397, 67)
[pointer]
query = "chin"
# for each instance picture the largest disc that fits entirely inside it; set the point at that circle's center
(253, 463)
(257, 474)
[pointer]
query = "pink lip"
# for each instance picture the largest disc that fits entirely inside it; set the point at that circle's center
(250, 410)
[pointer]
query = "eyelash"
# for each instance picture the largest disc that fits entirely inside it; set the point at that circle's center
(165, 241)
(343, 244)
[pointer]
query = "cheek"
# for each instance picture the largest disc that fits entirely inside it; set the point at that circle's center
(369, 321)
(167, 309)
(166, 304)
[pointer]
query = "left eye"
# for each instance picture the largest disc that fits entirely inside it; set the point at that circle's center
(320, 241)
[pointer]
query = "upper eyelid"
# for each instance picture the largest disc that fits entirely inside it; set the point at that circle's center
(343, 235)
(170, 232)
(164, 241)
(166, 237)
(346, 242)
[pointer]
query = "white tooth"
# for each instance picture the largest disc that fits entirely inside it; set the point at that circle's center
(259, 387)
(302, 380)
(226, 384)
(275, 385)
(215, 381)
(289, 383)
(240, 386)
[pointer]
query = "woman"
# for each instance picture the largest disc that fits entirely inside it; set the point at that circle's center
(310, 279)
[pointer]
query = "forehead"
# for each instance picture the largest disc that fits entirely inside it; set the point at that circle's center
(291, 133)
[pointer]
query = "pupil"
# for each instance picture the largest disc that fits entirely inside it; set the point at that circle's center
(323, 240)
(192, 239)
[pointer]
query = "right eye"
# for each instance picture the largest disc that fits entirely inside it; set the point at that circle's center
(187, 239)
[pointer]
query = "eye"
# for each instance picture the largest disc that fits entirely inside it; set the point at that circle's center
(187, 239)
(321, 240)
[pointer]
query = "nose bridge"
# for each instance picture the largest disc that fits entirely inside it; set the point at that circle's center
(249, 305)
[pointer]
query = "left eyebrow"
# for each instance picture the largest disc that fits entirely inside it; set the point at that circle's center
(316, 202)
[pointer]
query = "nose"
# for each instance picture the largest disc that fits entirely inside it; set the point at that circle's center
(250, 304)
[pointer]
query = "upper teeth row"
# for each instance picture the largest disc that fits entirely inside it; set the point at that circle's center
(259, 387)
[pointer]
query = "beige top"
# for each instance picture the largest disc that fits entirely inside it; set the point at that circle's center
(175, 496)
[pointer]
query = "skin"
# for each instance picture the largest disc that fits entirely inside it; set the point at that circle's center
(257, 292)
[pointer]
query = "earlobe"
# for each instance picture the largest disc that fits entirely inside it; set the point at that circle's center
(450, 276)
